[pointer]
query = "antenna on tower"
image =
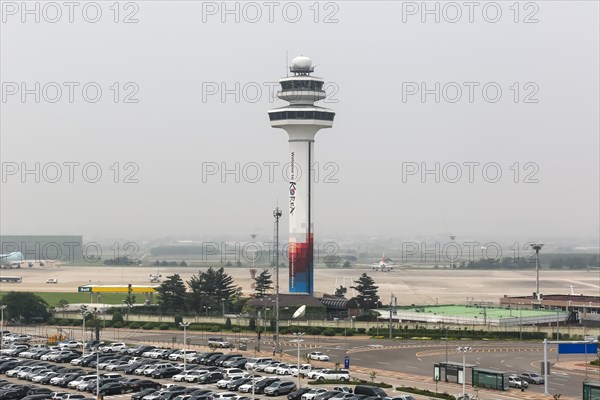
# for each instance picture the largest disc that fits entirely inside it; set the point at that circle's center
(287, 65)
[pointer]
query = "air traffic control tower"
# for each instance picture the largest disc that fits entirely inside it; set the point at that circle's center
(301, 119)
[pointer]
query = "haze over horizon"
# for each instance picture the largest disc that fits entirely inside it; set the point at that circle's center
(202, 89)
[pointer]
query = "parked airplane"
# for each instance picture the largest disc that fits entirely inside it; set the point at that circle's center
(15, 259)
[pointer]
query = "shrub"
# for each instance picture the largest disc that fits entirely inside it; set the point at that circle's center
(164, 327)
(117, 324)
(228, 323)
(63, 322)
(329, 332)
(117, 317)
(235, 329)
(362, 330)
(215, 328)
(252, 324)
(134, 325)
(148, 325)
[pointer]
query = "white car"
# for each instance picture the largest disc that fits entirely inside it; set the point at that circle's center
(516, 382)
(333, 375)
(194, 376)
(224, 395)
(284, 369)
(118, 366)
(304, 369)
(313, 393)
(117, 346)
(156, 368)
(269, 368)
(181, 377)
(234, 373)
(317, 355)
(222, 384)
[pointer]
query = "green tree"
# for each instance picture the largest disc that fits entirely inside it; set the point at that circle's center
(62, 303)
(209, 287)
(341, 291)
(263, 283)
(130, 299)
(25, 306)
(346, 264)
(117, 317)
(367, 291)
(171, 294)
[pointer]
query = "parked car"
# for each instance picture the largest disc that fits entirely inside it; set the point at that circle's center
(313, 393)
(371, 391)
(112, 388)
(281, 387)
(297, 394)
(334, 375)
(70, 344)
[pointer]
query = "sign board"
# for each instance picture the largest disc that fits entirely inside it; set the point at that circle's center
(577, 348)
(590, 338)
(346, 362)
(84, 289)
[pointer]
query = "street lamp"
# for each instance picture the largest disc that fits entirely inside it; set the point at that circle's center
(277, 214)
(2, 308)
(184, 325)
(83, 311)
(223, 301)
(537, 247)
(464, 350)
(206, 309)
(298, 335)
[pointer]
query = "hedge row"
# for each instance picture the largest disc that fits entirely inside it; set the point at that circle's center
(354, 381)
(426, 392)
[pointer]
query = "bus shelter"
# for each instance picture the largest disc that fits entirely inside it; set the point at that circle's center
(450, 371)
(489, 379)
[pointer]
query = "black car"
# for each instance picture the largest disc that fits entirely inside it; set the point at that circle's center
(208, 356)
(166, 373)
(211, 377)
(143, 384)
(297, 394)
(112, 388)
(259, 387)
(145, 392)
(46, 379)
(170, 395)
(234, 385)
(240, 363)
(139, 350)
(7, 366)
(64, 381)
(37, 396)
(38, 390)
(63, 358)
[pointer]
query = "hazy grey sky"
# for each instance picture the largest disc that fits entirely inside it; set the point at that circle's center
(375, 56)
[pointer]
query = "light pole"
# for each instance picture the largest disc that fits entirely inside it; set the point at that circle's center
(298, 335)
(464, 351)
(277, 214)
(223, 301)
(2, 308)
(83, 310)
(206, 309)
(97, 373)
(537, 247)
(184, 325)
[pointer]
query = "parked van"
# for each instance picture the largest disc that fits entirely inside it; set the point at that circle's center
(370, 391)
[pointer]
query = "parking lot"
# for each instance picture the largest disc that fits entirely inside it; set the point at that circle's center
(68, 371)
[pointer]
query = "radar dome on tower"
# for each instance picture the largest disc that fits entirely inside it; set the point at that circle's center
(301, 64)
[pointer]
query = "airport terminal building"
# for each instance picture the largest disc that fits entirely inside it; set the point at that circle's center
(44, 247)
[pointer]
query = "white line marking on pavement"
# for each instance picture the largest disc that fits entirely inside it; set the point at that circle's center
(384, 363)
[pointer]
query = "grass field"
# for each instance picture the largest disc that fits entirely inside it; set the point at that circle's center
(52, 298)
